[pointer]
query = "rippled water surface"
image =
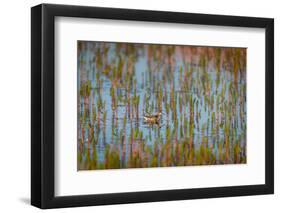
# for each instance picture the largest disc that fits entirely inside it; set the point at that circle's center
(147, 105)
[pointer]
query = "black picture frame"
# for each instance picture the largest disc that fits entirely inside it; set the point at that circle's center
(43, 105)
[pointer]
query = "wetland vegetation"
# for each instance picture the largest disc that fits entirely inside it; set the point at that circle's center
(152, 105)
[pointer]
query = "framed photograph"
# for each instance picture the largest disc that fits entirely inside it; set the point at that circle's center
(139, 106)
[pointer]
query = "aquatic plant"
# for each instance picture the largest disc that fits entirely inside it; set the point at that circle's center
(199, 91)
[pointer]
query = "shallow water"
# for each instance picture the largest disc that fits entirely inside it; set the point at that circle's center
(200, 91)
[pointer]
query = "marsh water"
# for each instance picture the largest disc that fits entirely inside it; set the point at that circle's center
(148, 105)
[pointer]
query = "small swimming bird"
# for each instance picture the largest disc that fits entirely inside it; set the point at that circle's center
(152, 118)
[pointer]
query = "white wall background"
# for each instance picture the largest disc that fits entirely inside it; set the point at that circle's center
(15, 105)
